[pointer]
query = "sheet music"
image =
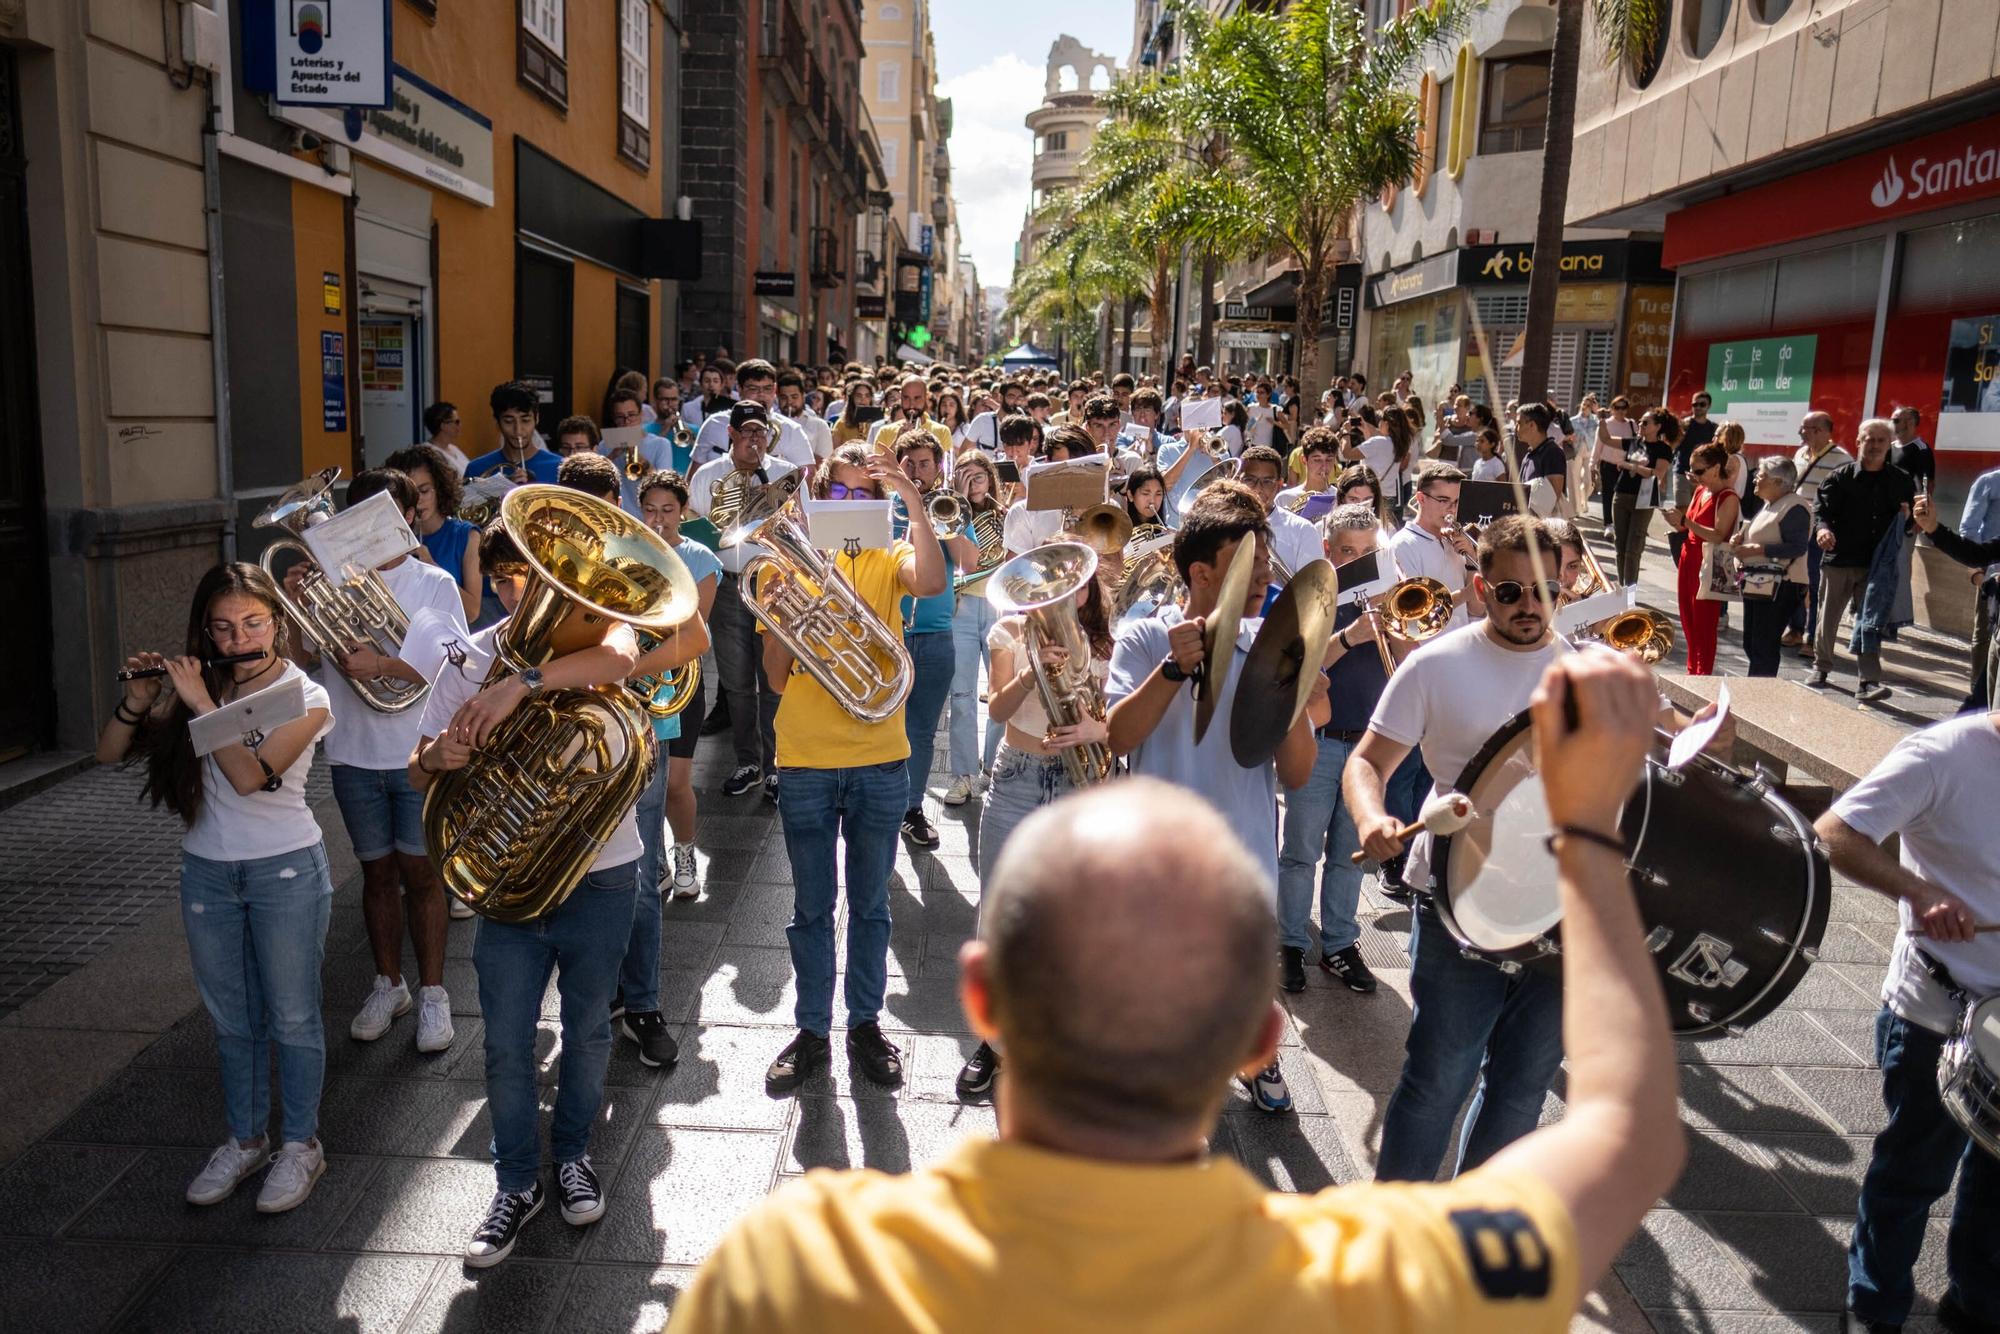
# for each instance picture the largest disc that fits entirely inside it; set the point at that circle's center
(1690, 740)
(835, 524)
(615, 438)
(262, 713)
(360, 538)
(1201, 414)
(1362, 578)
(493, 487)
(432, 638)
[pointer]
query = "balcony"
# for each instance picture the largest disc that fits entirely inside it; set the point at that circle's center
(825, 258)
(782, 49)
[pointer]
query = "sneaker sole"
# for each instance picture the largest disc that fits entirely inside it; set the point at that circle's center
(687, 891)
(491, 1258)
(583, 1217)
(286, 1206)
(438, 1044)
(969, 1092)
(1291, 990)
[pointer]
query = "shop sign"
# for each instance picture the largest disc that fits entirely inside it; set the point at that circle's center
(774, 282)
(1950, 167)
(1649, 318)
(318, 53)
(1236, 310)
(423, 132)
(1246, 338)
(333, 380)
(1587, 303)
(1763, 384)
(1413, 280)
(870, 306)
(329, 291)
(380, 349)
(1582, 261)
(1969, 413)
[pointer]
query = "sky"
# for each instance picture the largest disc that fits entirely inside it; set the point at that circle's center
(990, 59)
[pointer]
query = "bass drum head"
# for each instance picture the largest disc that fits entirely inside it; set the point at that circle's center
(1984, 1030)
(1496, 882)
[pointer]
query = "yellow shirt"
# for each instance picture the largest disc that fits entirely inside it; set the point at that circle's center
(1003, 1236)
(813, 731)
(891, 430)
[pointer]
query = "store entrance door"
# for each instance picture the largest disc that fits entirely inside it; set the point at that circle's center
(391, 398)
(543, 316)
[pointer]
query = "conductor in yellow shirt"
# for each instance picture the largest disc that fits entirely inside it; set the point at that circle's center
(1099, 1207)
(842, 780)
(911, 411)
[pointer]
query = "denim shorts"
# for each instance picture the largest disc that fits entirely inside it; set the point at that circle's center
(382, 812)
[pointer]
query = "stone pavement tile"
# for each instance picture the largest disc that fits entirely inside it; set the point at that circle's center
(940, 954)
(688, 946)
(149, 1203)
(148, 957)
(446, 1120)
(727, 866)
(1852, 942)
(719, 1082)
(922, 1005)
(930, 1070)
(188, 1045)
(86, 1284)
(889, 1137)
(947, 871)
(773, 863)
(387, 1116)
(49, 1074)
(431, 1206)
(1741, 1322)
(1291, 1153)
(1825, 1171)
(755, 832)
(1784, 1036)
(520, 1295)
(749, 986)
(1854, 1030)
(758, 934)
(1851, 903)
(155, 1107)
(1867, 978)
(1824, 987)
(269, 1290)
(1358, 1118)
(766, 901)
(1740, 1098)
(679, 1190)
(1352, 1043)
(714, 904)
(50, 1184)
(1675, 1262)
(394, 1055)
(1800, 1264)
(1724, 1172)
(628, 1298)
(1851, 1099)
(1610, 1310)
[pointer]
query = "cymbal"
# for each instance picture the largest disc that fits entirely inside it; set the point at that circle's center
(1277, 675)
(1220, 630)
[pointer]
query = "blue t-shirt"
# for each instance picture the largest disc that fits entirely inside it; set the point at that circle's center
(931, 615)
(447, 546)
(665, 453)
(702, 564)
(541, 465)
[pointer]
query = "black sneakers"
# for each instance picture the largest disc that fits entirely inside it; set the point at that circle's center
(1346, 965)
(741, 781)
(975, 1080)
(919, 830)
(509, 1212)
(582, 1197)
(1291, 968)
(802, 1055)
(877, 1058)
(656, 1046)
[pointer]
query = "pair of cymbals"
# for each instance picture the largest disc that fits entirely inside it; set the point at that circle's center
(1218, 636)
(1278, 674)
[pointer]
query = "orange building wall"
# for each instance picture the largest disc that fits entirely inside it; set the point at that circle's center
(319, 246)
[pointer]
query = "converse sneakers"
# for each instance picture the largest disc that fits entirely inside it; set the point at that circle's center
(505, 1217)
(225, 1170)
(434, 1032)
(960, 790)
(581, 1196)
(686, 886)
(294, 1169)
(387, 1003)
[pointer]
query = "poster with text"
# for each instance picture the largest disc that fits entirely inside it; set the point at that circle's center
(1765, 384)
(1969, 415)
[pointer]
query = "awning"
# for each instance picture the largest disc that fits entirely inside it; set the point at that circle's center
(1282, 290)
(910, 354)
(1027, 354)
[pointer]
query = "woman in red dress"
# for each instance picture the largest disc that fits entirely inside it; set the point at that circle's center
(1710, 517)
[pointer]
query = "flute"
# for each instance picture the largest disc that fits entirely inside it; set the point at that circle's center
(229, 659)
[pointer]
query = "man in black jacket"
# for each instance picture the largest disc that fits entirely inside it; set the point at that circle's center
(1856, 505)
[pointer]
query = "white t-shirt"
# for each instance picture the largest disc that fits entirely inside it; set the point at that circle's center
(368, 738)
(1295, 541)
(1935, 788)
(1448, 698)
(1379, 453)
(452, 455)
(983, 432)
(701, 491)
(459, 682)
(1023, 529)
(1416, 553)
(233, 827)
(1609, 444)
(818, 434)
(1490, 470)
(788, 440)
(1261, 417)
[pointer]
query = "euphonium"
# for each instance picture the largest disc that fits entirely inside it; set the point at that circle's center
(1041, 587)
(1151, 583)
(336, 616)
(515, 830)
(987, 528)
(1224, 470)
(799, 595)
(1105, 528)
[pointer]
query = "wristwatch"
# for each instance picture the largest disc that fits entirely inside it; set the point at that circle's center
(1172, 670)
(532, 679)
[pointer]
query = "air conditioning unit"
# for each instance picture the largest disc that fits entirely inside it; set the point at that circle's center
(204, 37)
(1487, 237)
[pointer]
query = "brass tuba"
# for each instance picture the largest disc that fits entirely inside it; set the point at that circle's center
(799, 595)
(358, 610)
(1041, 586)
(1151, 582)
(515, 830)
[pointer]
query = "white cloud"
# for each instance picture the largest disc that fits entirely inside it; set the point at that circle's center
(992, 156)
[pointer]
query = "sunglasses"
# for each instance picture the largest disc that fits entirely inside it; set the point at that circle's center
(841, 491)
(1507, 592)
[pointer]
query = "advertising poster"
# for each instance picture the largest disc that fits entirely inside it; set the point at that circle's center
(1969, 413)
(333, 380)
(1765, 384)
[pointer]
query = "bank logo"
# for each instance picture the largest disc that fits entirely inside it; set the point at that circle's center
(309, 24)
(1890, 188)
(1497, 266)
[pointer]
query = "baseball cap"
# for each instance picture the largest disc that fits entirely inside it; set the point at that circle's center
(746, 411)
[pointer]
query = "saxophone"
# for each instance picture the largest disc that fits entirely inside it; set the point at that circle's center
(514, 831)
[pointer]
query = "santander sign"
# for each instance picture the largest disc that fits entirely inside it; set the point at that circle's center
(1954, 166)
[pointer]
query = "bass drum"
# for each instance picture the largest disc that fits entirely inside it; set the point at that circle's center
(1732, 885)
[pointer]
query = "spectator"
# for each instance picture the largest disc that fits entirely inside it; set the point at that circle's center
(1696, 431)
(1641, 488)
(1981, 523)
(1913, 453)
(1856, 505)
(443, 425)
(1709, 518)
(1816, 458)
(1613, 436)
(1779, 534)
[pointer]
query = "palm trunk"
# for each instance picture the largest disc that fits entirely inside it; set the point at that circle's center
(1539, 339)
(1125, 335)
(1157, 310)
(1204, 354)
(1305, 334)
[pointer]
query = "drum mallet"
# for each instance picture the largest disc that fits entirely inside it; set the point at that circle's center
(1444, 815)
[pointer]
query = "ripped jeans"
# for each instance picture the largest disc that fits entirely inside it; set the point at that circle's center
(1022, 782)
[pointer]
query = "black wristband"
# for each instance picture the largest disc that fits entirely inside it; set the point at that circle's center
(118, 712)
(1582, 835)
(1342, 637)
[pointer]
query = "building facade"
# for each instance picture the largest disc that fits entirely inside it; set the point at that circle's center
(1063, 126)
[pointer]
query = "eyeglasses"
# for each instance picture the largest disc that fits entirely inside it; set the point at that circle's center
(1260, 482)
(753, 429)
(841, 491)
(1507, 592)
(249, 625)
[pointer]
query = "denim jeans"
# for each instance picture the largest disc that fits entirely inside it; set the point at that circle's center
(739, 670)
(930, 682)
(1912, 1165)
(1473, 1029)
(382, 812)
(256, 933)
(639, 978)
(1021, 782)
(863, 806)
(1318, 826)
(581, 942)
(969, 624)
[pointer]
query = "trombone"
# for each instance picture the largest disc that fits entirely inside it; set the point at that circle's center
(1417, 609)
(1646, 634)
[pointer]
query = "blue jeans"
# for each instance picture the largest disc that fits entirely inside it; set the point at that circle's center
(1805, 618)
(1317, 825)
(1473, 1029)
(1022, 782)
(639, 978)
(1403, 795)
(581, 942)
(256, 933)
(865, 807)
(969, 626)
(930, 682)
(382, 812)
(1914, 1160)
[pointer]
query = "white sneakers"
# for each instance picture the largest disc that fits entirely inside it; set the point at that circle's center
(459, 908)
(960, 790)
(390, 1001)
(294, 1169)
(226, 1168)
(686, 885)
(433, 1019)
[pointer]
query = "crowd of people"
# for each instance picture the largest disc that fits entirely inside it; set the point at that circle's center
(1108, 1062)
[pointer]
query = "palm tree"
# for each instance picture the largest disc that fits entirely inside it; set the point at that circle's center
(1631, 32)
(1082, 263)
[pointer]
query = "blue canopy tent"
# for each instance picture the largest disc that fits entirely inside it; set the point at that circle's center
(1027, 356)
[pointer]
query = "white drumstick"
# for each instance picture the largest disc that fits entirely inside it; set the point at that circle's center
(1444, 814)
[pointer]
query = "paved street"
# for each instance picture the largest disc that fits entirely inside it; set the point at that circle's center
(92, 1224)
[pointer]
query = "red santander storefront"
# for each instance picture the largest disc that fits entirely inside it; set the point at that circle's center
(1852, 289)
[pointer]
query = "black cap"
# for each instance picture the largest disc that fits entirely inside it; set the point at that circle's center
(748, 410)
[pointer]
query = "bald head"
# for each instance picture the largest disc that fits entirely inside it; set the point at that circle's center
(1129, 941)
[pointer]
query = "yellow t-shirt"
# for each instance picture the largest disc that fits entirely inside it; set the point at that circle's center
(891, 430)
(1003, 1236)
(813, 731)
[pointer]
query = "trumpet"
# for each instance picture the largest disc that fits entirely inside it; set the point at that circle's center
(637, 468)
(1041, 587)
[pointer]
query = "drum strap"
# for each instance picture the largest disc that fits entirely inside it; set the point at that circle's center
(1943, 977)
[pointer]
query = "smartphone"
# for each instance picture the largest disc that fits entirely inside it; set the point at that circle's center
(1008, 471)
(862, 416)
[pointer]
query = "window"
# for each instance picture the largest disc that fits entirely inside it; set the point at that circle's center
(1770, 11)
(890, 13)
(544, 20)
(890, 154)
(539, 60)
(1441, 131)
(1517, 105)
(1702, 24)
(770, 163)
(889, 82)
(635, 45)
(1652, 51)
(1056, 143)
